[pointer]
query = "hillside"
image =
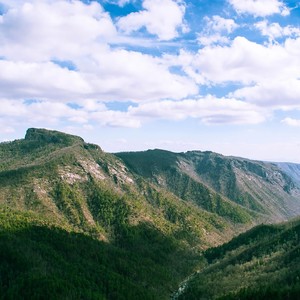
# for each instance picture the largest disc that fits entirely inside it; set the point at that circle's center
(78, 185)
(91, 196)
(264, 189)
(293, 170)
(126, 222)
(40, 260)
(263, 263)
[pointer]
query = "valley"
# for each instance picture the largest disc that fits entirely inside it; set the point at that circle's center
(77, 222)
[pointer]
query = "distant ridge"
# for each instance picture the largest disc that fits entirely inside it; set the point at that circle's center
(264, 188)
(291, 169)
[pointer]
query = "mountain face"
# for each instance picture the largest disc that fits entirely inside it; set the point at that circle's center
(293, 170)
(57, 192)
(126, 222)
(263, 189)
(263, 263)
(80, 186)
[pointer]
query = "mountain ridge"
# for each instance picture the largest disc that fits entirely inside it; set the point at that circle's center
(234, 178)
(146, 206)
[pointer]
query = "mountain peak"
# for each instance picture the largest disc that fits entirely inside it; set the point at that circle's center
(51, 136)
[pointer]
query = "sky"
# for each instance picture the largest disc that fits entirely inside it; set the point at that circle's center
(131, 75)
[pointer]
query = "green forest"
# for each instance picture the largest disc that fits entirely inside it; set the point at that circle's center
(263, 263)
(79, 223)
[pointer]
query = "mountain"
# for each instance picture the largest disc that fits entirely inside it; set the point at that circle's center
(263, 189)
(80, 186)
(263, 263)
(293, 170)
(75, 220)
(68, 208)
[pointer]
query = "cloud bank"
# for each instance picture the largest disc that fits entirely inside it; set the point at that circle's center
(66, 61)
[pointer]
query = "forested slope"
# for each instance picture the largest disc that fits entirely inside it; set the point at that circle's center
(263, 263)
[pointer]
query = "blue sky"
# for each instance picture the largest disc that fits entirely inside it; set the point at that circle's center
(132, 75)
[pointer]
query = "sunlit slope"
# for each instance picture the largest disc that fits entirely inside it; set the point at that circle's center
(202, 177)
(148, 237)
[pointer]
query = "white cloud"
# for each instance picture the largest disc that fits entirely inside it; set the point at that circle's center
(207, 40)
(34, 33)
(274, 30)
(283, 95)
(163, 18)
(40, 111)
(116, 119)
(149, 81)
(40, 80)
(266, 75)
(55, 113)
(219, 24)
(291, 122)
(11, 108)
(247, 62)
(43, 30)
(7, 129)
(242, 61)
(123, 2)
(216, 30)
(119, 2)
(260, 8)
(209, 110)
(111, 75)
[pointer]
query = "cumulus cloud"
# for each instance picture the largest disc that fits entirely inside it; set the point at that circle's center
(123, 2)
(283, 95)
(209, 110)
(162, 18)
(259, 8)
(138, 77)
(116, 119)
(40, 80)
(268, 73)
(291, 122)
(110, 75)
(36, 33)
(38, 36)
(119, 2)
(37, 111)
(242, 61)
(274, 30)
(216, 30)
(247, 62)
(55, 113)
(220, 24)
(41, 30)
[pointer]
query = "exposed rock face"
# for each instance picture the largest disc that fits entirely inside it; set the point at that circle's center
(51, 136)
